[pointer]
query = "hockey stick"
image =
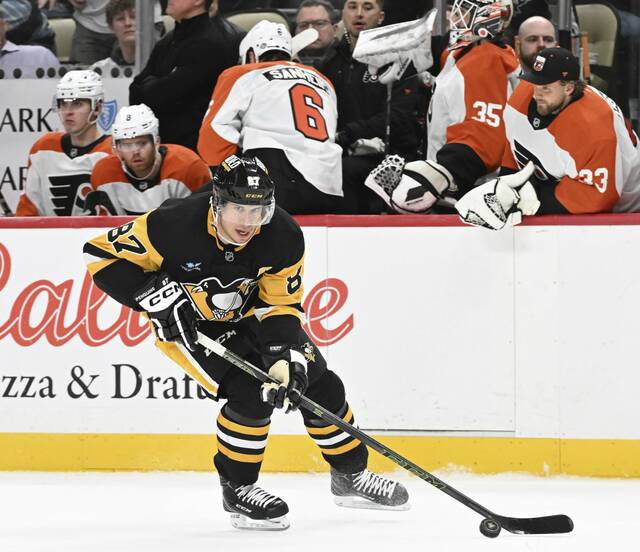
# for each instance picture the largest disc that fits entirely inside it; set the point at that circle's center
(490, 525)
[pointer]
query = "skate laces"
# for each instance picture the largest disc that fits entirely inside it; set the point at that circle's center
(369, 482)
(255, 495)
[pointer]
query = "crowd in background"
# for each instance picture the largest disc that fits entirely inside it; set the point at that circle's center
(177, 83)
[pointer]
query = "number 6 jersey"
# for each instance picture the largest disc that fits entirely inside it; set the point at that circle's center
(280, 105)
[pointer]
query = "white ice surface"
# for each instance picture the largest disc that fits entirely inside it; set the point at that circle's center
(158, 512)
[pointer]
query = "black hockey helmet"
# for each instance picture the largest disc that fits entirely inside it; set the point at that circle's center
(243, 193)
(243, 180)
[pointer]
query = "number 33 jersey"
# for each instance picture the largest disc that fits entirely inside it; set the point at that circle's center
(587, 159)
(280, 105)
(59, 175)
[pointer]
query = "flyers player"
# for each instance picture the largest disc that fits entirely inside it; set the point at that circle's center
(60, 163)
(465, 118)
(232, 265)
(282, 112)
(142, 173)
(569, 146)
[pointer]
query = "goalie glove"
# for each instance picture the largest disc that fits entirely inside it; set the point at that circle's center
(171, 312)
(288, 366)
(500, 202)
(411, 188)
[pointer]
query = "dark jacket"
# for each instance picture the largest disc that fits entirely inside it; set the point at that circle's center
(362, 102)
(181, 72)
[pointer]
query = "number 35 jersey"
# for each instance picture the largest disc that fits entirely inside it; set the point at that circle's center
(225, 283)
(59, 175)
(281, 105)
(465, 125)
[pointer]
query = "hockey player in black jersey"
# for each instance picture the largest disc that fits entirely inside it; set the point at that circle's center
(232, 266)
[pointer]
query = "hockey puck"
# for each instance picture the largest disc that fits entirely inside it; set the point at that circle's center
(490, 528)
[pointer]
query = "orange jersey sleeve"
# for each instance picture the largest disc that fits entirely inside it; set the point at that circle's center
(486, 89)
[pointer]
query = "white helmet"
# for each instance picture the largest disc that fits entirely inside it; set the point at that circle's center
(84, 84)
(475, 19)
(263, 37)
(134, 121)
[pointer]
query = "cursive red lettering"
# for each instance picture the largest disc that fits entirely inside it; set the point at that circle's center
(322, 302)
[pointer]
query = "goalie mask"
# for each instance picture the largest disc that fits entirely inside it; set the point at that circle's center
(243, 199)
(475, 19)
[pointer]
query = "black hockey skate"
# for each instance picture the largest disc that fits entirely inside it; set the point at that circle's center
(253, 508)
(368, 490)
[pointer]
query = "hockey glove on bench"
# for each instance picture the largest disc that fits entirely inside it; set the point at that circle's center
(288, 366)
(173, 316)
(500, 202)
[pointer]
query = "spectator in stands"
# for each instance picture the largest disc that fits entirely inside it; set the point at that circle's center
(321, 16)
(23, 60)
(182, 71)
(235, 33)
(142, 173)
(92, 40)
(535, 34)
(60, 163)
(121, 18)
(27, 24)
(362, 108)
(284, 114)
(586, 159)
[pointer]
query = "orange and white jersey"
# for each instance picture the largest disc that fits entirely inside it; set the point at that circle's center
(181, 173)
(281, 105)
(469, 98)
(59, 175)
(587, 160)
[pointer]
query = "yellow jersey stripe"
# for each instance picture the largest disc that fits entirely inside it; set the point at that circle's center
(330, 428)
(247, 430)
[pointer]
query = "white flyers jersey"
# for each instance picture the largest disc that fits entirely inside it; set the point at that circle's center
(468, 101)
(280, 105)
(181, 173)
(59, 175)
(585, 155)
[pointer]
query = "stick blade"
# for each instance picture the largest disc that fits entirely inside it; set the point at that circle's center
(537, 526)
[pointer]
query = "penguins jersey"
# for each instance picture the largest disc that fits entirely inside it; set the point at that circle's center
(225, 283)
(587, 160)
(117, 193)
(59, 175)
(465, 126)
(281, 105)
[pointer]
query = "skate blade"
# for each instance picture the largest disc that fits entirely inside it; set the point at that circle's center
(364, 504)
(243, 522)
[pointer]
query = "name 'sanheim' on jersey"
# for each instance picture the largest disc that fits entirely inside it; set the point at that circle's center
(296, 73)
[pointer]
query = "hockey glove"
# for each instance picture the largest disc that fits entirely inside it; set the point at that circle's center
(288, 366)
(411, 188)
(171, 312)
(500, 202)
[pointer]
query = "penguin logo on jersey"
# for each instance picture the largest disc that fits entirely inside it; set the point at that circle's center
(220, 302)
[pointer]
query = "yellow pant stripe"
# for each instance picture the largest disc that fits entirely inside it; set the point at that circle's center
(328, 429)
(251, 458)
(344, 448)
(247, 430)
